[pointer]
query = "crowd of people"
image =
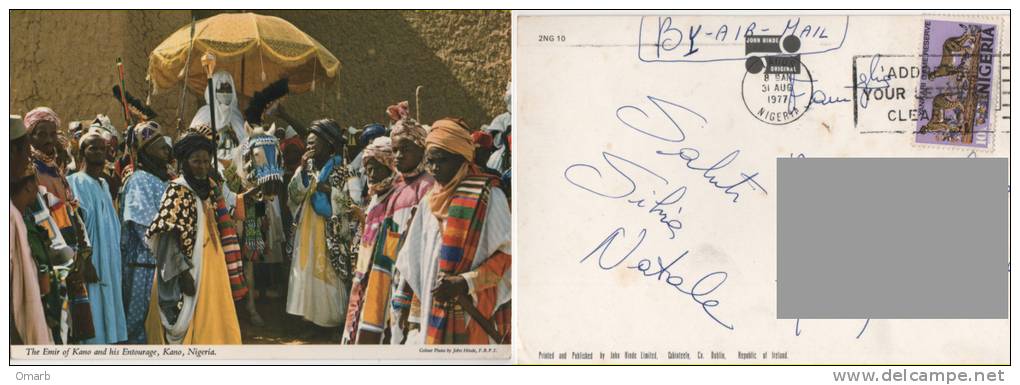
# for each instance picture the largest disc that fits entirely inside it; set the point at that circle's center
(395, 233)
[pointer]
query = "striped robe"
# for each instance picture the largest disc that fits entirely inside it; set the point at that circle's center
(473, 242)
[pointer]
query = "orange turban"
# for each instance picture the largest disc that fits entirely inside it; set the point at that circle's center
(451, 134)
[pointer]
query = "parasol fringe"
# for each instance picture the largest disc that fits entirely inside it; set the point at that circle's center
(171, 53)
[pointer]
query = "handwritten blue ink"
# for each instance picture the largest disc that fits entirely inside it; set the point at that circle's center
(818, 96)
(609, 157)
(792, 95)
(659, 209)
(865, 327)
(707, 284)
(871, 81)
(673, 225)
(659, 104)
(689, 155)
(665, 25)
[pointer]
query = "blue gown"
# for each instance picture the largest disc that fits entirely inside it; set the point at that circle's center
(140, 201)
(103, 229)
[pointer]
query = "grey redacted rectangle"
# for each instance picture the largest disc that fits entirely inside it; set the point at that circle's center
(892, 238)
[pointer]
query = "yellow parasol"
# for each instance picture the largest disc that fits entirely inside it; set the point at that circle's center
(256, 49)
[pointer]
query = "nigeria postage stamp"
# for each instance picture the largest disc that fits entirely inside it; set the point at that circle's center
(958, 63)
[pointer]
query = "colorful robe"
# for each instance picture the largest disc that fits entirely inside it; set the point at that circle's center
(56, 260)
(105, 296)
(62, 205)
(473, 242)
(52, 177)
(371, 236)
(315, 290)
(68, 218)
(190, 236)
(49, 280)
(380, 308)
(261, 228)
(140, 202)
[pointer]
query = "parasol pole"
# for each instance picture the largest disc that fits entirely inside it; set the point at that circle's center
(209, 63)
(240, 94)
(184, 88)
(417, 103)
(123, 98)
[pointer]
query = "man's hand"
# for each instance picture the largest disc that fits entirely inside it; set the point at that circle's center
(323, 188)
(404, 324)
(358, 213)
(44, 283)
(187, 284)
(310, 154)
(448, 288)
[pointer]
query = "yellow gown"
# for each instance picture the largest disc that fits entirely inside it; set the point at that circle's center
(215, 320)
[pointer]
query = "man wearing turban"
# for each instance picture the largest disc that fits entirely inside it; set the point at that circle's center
(229, 120)
(140, 198)
(324, 242)
(456, 256)
(198, 271)
(387, 298)
(42, 124)
(380, 171)
(359, 182)
(50, 159)
(104, 127)
(103, 229)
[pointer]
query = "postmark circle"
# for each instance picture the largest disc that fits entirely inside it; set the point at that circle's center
(777, 99)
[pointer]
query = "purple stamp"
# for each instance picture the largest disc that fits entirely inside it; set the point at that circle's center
(957, 64)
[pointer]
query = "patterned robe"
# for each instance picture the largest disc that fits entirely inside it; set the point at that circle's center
(195, 237)
(140, 202)
(380, 308)
(371, 235)
(319, 274)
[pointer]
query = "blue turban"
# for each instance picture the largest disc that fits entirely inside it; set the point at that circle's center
(370, 132)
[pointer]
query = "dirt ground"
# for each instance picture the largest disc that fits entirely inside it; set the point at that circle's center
(281, 328)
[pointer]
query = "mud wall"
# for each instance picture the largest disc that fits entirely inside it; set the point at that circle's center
(66, 60)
